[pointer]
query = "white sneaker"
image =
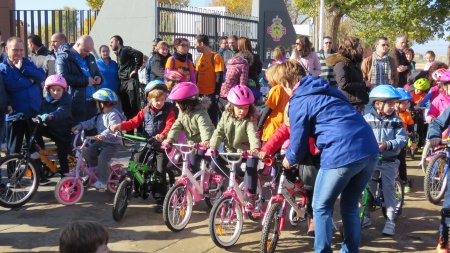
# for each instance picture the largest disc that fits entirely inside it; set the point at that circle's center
(35, 155)
(366, 222)
(389, 228)
(100, 186)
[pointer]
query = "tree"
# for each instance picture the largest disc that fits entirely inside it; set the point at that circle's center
(97, 4)
(293, 12)
(240, 7)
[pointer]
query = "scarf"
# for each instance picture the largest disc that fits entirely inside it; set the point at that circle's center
(180, 57)
(383, 76)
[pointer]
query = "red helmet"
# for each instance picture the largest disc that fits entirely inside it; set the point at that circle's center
(55, 80)
(176, 75)
(184, 90)
(240, 95)
(436, 75)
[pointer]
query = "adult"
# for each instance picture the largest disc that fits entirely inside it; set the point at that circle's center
(305, 56)
(3, 53)
(148, 65)
(22, 80)
(181, 58)
(39, 55)
(129, 61)
(223, 45)
(323, 54)
(159, 60)
(5, 108)
(255, 69)
(209, 69)
(232, 48)
(57, 40)
(380, 68)
(409, 53)
(108, 69)
(400, 60)
(36, 45)
(348, 155)
(78, 66)
(347, 72)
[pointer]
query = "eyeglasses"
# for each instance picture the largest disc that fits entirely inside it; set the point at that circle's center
(384, 45)
(298, 44)
(184, 45)
(328, 43)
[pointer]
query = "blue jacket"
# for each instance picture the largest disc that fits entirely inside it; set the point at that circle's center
(3, 98)
(387, 129)
(23, 93)
(62, 121)
(109, 73)
(322, 112)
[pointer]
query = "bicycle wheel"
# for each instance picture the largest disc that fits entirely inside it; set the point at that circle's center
(425, 153)
(225, 222)
(69, 190)
(121, 199)
(399, 196)
(434, 184)
(22, 181)
(177, 207)
(113, 180)
(213, 195)
(270, 232)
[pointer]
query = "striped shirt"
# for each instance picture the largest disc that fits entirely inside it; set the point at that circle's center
(327, 71)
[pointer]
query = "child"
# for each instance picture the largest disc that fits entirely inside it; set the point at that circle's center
(430, 56)
(237, 71)
(272, 115)
(419, 91)
(435, 129)
(185, 70)
(391, 137)
(442, 101)
(157, 118)
(173, 78)
(107, 145)
(279, 56)
(408, 125)
(142, 72)
(193, 119)
(237, 130)
(56, 112)
(84, 236)
(435, 86)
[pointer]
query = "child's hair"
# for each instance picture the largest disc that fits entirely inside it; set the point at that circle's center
(82, 236)
(188, 105)
(144, 60)
(156, 93)
(184, 69)
(160, 45)
(289, 73)
(271, 72)
(247, 55)
(279, 53)
(251, 115)
(431, 53)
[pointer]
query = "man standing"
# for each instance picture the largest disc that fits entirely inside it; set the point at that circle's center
(209, 69)
(327, 71)
(380, 68)
(232, 48)
(22, 80)
(78, 66)
(400, 59)
(57, 40)
(223, 45)
(39, 55)
(129, 61)
(148, 65)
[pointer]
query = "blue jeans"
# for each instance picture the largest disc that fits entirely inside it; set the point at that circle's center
(349, 181)
(445, 221)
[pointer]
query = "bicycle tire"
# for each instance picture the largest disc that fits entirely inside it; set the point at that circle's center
(425, 153)
(434, 187)
(400, 196)
(121, 199)
(211, 200)
(19, 188)
(227, 206)
(271, 226)
(177, 215)
(67, 193)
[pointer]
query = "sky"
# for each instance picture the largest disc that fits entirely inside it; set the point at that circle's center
(439, 46)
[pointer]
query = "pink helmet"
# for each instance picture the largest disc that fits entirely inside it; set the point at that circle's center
(436, 75)
(54, 80)
(240, 95)
(445, 78)
(184, 90)
(176, 75)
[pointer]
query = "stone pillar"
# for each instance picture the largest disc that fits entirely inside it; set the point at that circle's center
(5, 26)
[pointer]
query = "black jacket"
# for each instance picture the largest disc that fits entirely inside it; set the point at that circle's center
(67, 66)
(349, 79)
(62, 121)
(255, 70)
(3, 98)
(129, 59)
(400, 59)
(159, 65)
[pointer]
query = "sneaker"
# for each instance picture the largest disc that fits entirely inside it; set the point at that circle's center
(442, 247)
(34, 155)
(311, 227)
(366, 222)
(44, 181)
(159, 209)
(100, 186)
(251, 199)
(407, 188)
(389, 228)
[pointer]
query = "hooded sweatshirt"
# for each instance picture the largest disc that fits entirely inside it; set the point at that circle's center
(237, 73)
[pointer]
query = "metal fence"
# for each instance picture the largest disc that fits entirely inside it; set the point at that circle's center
(175, 21)
(44, 23)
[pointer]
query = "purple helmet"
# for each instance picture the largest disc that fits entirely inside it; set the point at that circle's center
(184, 90)
(240, 95)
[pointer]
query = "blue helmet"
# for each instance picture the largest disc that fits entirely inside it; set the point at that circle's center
(155, 84)
(384, 92)
(105, 95)
(405, 95)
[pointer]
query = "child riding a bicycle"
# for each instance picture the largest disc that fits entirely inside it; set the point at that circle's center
(237, 130)
(107, 145)
(391, 137)
(158, 117)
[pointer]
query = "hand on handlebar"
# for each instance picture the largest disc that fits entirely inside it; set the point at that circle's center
(428, 119)
(204, 144)
(159, 137)
(99, 137)
(46, 117)
(253, 152)
(286, 164)
(435, 142)
(19, 115)
(115, 128)
(165, 143)
(76, 128)
(261, 154)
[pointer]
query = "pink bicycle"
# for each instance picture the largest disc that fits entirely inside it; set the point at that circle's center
(70, 189)
(190, 189)
(228, 213)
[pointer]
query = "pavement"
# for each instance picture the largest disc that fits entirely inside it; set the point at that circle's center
(35, 227)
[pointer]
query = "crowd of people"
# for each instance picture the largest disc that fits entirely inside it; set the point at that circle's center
(350, 115)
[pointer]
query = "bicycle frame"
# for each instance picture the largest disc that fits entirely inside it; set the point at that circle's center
(444, 176)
